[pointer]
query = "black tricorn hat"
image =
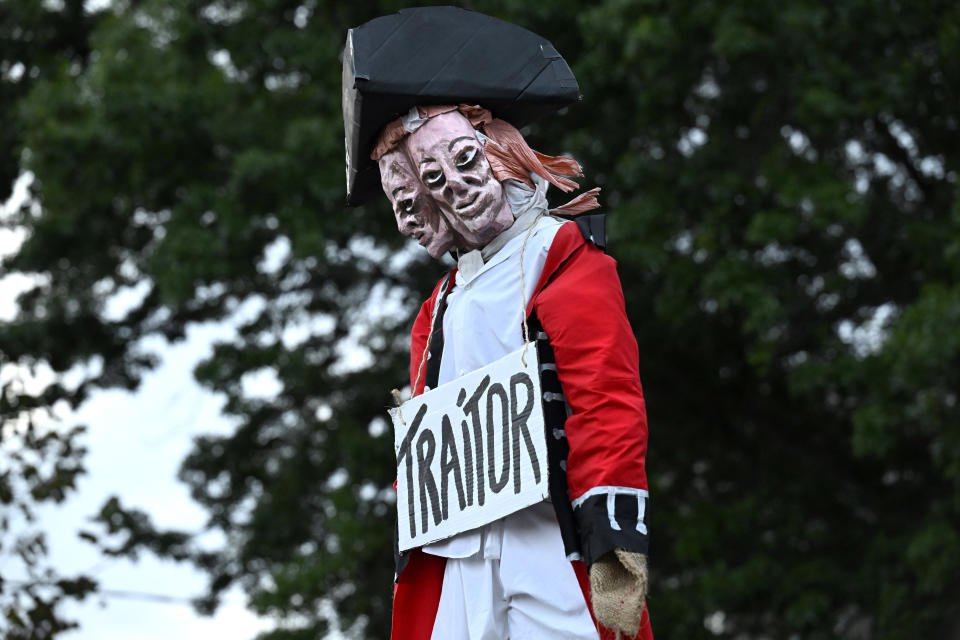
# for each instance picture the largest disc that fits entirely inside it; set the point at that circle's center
(442, 55)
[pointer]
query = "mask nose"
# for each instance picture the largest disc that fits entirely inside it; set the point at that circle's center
(407, 222)
(458, 187)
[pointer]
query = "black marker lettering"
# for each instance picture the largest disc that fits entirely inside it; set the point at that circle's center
(496, 484)
(403, 454)
(426, 446)
(473, 407)
(449, 462)
(518, 424)
(467, 461)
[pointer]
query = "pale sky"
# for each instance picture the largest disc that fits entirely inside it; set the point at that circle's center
(136, 442)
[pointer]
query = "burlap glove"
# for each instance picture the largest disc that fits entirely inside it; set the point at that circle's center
(618, 589)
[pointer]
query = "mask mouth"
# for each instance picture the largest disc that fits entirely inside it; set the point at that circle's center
(466, 209)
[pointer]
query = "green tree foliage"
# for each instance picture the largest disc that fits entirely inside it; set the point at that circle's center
(38, 464)
(781, 179)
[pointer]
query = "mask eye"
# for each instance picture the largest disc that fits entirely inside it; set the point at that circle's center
(433, 179)
(406, 206)
(466, 157)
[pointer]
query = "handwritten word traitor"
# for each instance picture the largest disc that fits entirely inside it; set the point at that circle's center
(470, 451)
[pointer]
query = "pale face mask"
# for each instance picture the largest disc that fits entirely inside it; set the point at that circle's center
(450, 162)
(414, 209)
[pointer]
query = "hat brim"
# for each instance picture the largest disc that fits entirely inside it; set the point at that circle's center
(442, 55)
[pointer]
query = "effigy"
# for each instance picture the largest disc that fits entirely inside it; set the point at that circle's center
(521, 477)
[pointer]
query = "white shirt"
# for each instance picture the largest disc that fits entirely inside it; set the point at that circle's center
(482, 323)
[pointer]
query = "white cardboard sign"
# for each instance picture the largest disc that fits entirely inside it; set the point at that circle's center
(471, 451)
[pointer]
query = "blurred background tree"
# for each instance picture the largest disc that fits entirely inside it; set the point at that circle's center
(38, 464)
(781, 179)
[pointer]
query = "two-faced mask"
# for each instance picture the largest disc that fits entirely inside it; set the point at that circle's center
(413, 206)
(449, 160)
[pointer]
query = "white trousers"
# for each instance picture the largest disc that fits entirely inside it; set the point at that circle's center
(519, 586)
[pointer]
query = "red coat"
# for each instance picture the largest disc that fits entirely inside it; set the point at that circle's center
(579, 303)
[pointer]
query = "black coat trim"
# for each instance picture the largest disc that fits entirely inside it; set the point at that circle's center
(555, 412)
(599, 537)
(436, 338)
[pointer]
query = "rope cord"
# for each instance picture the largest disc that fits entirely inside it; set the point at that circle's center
(523, 291)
